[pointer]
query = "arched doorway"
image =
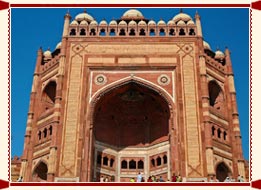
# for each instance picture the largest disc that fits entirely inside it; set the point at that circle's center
(222, 171)
(130, 129)
(40, 172)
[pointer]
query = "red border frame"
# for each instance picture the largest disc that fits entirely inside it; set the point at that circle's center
(6, 5)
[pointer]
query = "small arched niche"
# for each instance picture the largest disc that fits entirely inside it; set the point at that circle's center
(216, 96)
(48, 95)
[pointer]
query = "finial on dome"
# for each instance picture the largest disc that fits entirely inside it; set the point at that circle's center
(84, 10)
(181, 10)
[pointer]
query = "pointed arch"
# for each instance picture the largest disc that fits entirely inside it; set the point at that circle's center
(49, 92)
(40, 171)
(216, 95)
(161, 91)
(222, 171)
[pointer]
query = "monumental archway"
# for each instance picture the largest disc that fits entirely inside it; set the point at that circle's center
(222, 171)
(131, 133)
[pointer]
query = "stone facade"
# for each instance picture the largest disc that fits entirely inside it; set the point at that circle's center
(132, 96)
(15, 168)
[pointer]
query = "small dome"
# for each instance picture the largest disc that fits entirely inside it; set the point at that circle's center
(152, 23)
(59, 45)
(47, 54)
(206, 45)
(132, 23)
(113, 22)
(74, 23)
(84, 23)
(171, 23)
(103, 22)
(219, 55)
(191, 22)
(142, 23)
(181, 23)
(132, 13)
(161, 22)
(84, 16)
(181, 16)
(94, 23)
(123, 23)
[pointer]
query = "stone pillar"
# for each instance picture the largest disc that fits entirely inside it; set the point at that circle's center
(90, 157)
(66, 25)
(206, 119)
(28, 143)
(193, 133)
(52, 164)
(238, 161)
(23, 168)
(198, 24)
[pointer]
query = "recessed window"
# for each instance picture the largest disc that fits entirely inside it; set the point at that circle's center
(140, 164)
(162, 32)
(171, 32)
(102, 32)
(132, 164)
(192, 32)
(152, 32)
(142, 32)
(124, 164)
(45, 133)
(182, 32)
(216, 97)
(122, 32)
(93, 32)
(111, 162)
(51, 130)
(153, 162)
(132, 32)
(72, 32)
(165, 159)
(225, 135)
(112, 32)
(105, 161)
(158, 161)
(39, 135)
(49, 93)
(82, 32)
(219, 133)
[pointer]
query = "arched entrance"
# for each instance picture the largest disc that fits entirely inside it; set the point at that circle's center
(222, 171)
(130, 134)
(40, 172)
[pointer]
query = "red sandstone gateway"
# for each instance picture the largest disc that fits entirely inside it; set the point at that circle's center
(131, 96)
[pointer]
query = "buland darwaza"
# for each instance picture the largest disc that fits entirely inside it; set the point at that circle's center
(132, 95)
